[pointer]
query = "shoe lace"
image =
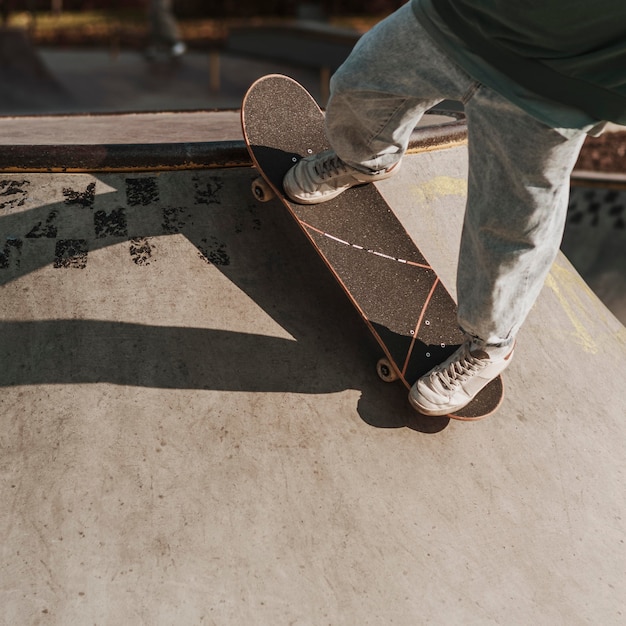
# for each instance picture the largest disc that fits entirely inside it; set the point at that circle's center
(332, 165)
(457, 372)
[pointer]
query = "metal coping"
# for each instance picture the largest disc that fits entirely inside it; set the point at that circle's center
(605, 180)
(89, 158)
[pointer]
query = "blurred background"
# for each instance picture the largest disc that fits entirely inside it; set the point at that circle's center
(66, 56)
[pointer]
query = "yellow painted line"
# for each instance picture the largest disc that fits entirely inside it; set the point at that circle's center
(581, 335)
(439, 187)
(568, 288)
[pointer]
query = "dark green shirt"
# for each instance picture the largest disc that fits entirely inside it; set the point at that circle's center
(571, 52)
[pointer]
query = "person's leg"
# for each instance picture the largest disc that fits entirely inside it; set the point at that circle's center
(164, 30)
(517, 197)
(518, 191)
(394, 74)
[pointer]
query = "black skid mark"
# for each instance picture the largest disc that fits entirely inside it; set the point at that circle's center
(594, 207)
(140, 251)
(254, 216)
(618, 213)
(207, 190)
(142, 191)
(12, 251)
(214, 252)
(173, 220)
(71, 253)
(250, 219)
(83, 199)
(47, 230)
(111, 224)
(13, 193)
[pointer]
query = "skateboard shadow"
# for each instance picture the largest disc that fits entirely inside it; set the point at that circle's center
(261, 251)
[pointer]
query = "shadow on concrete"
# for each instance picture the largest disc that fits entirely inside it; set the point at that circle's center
(260, 250)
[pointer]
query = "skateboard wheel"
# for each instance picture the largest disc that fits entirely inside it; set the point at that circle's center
(261, 190)
(385, 371)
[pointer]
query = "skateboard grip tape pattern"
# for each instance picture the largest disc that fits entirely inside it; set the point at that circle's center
(366, 248)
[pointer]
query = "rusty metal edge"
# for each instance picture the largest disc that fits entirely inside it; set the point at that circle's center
(122, 157)
(438, 137)
(91, 158)
(604, 180)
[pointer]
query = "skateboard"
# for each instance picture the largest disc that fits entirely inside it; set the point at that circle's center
(364, 245)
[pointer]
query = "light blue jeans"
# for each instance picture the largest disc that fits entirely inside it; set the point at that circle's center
(519, 168)
(163, 27)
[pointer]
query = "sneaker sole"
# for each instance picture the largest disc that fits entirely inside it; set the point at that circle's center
(448, 413)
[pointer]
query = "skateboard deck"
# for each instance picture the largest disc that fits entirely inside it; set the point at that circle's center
(399, 296)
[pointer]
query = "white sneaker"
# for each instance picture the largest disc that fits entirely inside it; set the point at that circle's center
(163, 53)
(324, 176)
(178, 49)
(454, 384)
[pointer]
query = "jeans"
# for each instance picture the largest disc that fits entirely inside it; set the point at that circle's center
(519, 168)
(163, 27)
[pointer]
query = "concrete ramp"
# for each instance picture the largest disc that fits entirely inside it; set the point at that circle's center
(192, 430)
(595, 238)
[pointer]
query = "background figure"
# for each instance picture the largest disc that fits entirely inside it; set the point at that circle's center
(164, 34)
(5, 10)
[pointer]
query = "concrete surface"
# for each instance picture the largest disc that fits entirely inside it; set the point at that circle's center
(192, 431)
(158, 127)
(595, 241)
